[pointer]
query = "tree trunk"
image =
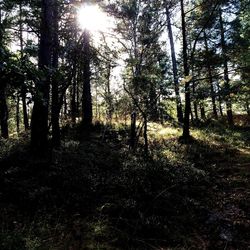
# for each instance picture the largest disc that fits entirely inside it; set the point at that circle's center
(17, 114)
(39, 124)
(226, 76)
(65, 106)
(3, 102)
(219, 99)
(73, 102)
(174, 66)
(186, 125)
(23, 87)
(191, 114)
(25, 112)
(133, 131)
(195, 102)
(203, 113)
(109, 96)
(145, 136)
(55, 114)
(3, 112)
(86, 98)
(210, 76)
(73, 97)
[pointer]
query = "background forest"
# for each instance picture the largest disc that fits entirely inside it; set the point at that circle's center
(124, 124)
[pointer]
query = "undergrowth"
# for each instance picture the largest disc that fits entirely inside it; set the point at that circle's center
(94, 193)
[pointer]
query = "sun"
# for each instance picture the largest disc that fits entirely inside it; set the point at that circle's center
(92, 18)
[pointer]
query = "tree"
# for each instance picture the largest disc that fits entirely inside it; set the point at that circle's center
(87, 114)
(4, 64)
(186, 124)
(226, 74)
(39, 123)
(174, 66)
(55, 109)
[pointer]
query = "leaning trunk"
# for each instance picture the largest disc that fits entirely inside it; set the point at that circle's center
(175, 72)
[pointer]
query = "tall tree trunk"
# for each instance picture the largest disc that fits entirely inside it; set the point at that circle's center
(39, 124)
(23, 87)
(55, 114)
(186, 124)
(3, 112)
(210, 76)
(109, 96)
(174, 66)
(78, 105)
(73, 100)
(226, 76)
(3, 102)
(86, 98)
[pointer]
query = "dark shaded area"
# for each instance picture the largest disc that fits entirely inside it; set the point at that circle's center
(95, 193)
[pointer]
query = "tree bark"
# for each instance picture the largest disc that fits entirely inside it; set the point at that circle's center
(17, 114)
(109, 96)
(23, 87)
(3, 86)
(73, 97)
(219, 99)
(133, 131)
(195, 102)
(226, 76)
(3, 112)
(186, 124)
(209, 69)
(174, 66)
(55, 114)
(39, 124)
(25, 112)
(86, 98)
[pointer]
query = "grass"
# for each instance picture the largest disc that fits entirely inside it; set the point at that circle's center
(96, 194)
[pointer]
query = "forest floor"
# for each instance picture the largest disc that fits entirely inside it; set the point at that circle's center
(94, 193)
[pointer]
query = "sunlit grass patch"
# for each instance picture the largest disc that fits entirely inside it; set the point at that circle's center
(173, 157)
(159, 131)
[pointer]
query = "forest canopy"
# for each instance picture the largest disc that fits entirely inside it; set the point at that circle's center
(90, 61)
